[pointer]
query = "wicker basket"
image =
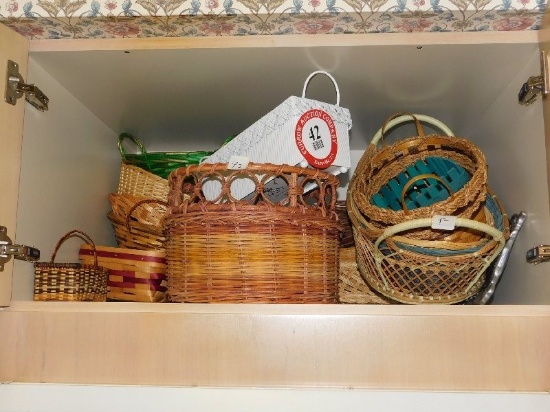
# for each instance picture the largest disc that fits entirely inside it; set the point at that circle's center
(134, 275)
(71, 281)
(398, 165)
(141, 209)
(352, 288)
(440, 272)
(158, 163)
(252, 251)
(136, 181)
(130, 233)
(346, 234)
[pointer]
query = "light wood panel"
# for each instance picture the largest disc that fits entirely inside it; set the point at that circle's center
(302, 40)
(445, 348)
(13, 47)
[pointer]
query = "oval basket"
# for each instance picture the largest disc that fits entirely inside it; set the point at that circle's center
(254, 250)
(422, 272)
(378, 168)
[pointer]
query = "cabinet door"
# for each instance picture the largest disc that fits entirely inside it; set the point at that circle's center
(544, 39)
(12, 47)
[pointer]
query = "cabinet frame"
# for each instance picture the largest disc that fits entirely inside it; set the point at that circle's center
(501, 348)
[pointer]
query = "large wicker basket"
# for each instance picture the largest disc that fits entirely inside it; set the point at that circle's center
(225, 250)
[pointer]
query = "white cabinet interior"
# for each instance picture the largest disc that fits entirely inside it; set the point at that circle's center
(186, 94)
(193, 98)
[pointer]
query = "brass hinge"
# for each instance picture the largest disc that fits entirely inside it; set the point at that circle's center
(16, 88)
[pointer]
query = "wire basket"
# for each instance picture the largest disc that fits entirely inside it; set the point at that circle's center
(71, 281)
(397, 165)
(158, 163)
(255, 250)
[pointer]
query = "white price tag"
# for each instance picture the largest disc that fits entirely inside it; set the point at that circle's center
(238, 162)
(443, 222)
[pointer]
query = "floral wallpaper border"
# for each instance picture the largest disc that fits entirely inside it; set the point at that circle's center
(68, 19)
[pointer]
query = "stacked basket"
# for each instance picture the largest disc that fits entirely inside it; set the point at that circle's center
(138, 207)
(426, 225)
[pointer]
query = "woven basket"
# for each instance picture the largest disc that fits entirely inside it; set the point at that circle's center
(141, 209)
(378, 167)
(346, 234)
(256, 250)
(352, 288)
(134, 275)
(136, 181)
(71, 281)
(439, 272)
(132, 234)
(158, 163)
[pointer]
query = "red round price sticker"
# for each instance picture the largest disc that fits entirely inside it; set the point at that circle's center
(316, 139)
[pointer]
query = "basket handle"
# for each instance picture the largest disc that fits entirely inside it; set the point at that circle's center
(402, 117)
(330, 77)
(496, 234)
(82, 236)
(416, 179)
(134, 140)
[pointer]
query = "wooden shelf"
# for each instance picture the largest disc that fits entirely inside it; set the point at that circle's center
(493, 348)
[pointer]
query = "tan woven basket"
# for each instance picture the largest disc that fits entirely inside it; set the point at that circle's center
(352, 288)
(378, 166)
(136, 235)
(134, 275)
(255, 250)
(136, 181)
(435, 272)
(71, 281)
(137, 221)
(144, 210)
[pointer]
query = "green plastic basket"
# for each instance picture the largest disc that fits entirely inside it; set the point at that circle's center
(158, 163)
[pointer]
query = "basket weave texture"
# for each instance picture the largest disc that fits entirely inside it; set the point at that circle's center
(352, 288)
(71, 281)
(134, 275)
(417, 271)
(135, 181)
(420, 278)
(379, 167)
(137, 221)
(255, 250)
(402, 253)
(137, 208)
